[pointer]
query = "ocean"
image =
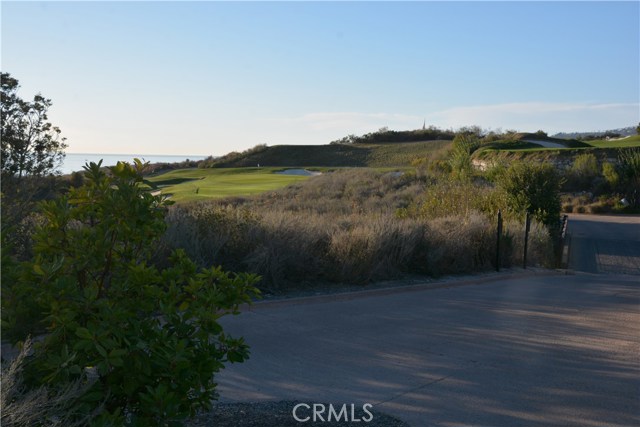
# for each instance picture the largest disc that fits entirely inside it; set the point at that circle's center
(75, 161)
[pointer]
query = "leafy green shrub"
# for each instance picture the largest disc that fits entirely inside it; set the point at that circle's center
(610, 175)
(464, 144)
(533, 187)
(151, 336)
(629, 173)
(583, 171)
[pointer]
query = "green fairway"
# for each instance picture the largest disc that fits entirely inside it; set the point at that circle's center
(199, 184)
(529, 147)
(630, 141)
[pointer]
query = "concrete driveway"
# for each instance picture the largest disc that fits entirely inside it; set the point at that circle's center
(541, 350)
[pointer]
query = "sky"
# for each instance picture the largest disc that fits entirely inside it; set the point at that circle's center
(207, 78)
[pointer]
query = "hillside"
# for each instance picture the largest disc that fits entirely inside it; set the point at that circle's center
(335, 155)
(541, 139)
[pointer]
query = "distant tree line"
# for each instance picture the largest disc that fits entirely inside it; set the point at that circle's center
(386, 135)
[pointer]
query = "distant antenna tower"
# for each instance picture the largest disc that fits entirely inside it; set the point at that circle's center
(424, 124)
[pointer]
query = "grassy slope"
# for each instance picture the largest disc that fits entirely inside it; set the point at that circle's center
(632, 141)
(242, 177)
(199, 184)
(340, 155)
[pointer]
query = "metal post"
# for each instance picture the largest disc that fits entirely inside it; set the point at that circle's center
(563, 235)
(527, 226)
(498, 240)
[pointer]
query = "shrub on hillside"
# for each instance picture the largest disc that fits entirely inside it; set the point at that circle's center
(150, 335)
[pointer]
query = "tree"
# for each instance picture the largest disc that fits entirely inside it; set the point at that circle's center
(151, 335)
(30, 144)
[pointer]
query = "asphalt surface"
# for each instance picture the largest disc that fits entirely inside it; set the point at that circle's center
(604, 244)
(554, 350)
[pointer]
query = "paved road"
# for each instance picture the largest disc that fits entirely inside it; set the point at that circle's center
(605, 244)
(545, 351)
(554, 350)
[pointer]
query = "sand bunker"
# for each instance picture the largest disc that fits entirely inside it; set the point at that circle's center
(301, 172)
(546, 144)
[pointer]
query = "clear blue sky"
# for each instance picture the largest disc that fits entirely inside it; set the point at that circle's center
(213, 77)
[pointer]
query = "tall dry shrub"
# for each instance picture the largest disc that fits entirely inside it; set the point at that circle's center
(540, 246)
(289, 248)
(352, 226)
(212, 233)
(53, 407)
(447, 198)
(376, 248)
(464, 244)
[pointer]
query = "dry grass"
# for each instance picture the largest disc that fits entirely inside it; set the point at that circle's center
(354, 227)
(22, 407)
(588, 204)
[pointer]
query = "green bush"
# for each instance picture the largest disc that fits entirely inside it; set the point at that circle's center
(464, 144)
(533, 187)
(583, 171)
(610, 175)
(629, 173)
(452, 197)
(150, 335)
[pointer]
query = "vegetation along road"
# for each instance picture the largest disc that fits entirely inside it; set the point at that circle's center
(540, 350)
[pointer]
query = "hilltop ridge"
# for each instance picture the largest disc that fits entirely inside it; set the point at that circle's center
(389, 148)
(332, 155)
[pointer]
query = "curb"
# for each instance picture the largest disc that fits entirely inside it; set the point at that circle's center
(351, 295)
